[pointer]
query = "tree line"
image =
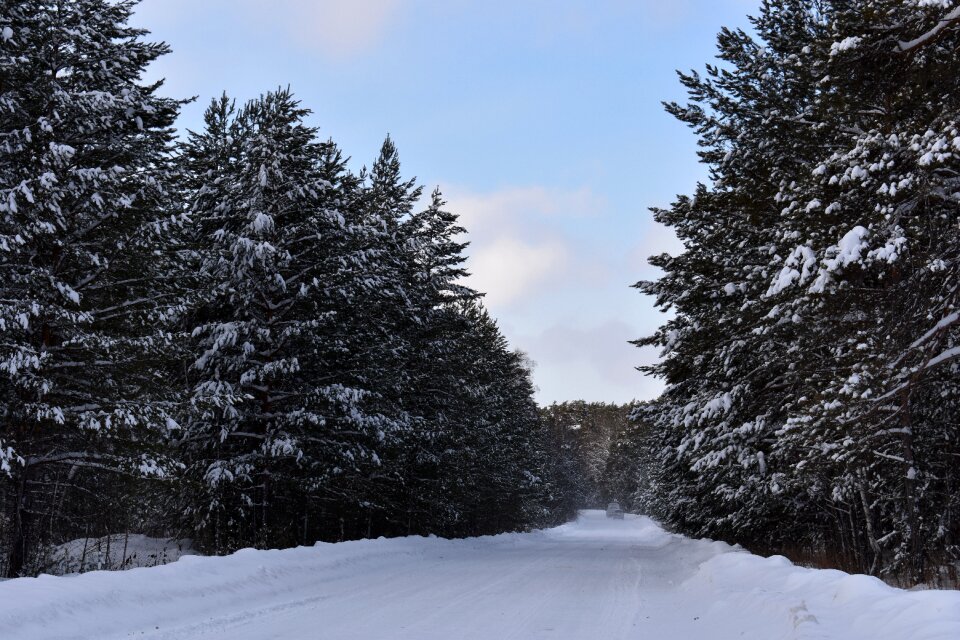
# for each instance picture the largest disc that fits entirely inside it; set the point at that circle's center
(232, 336)
(589, 450)
(811, 359)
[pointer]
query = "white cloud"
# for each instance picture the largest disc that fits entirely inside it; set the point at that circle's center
(517, 242)
(603, 347)
(335, 28)
(508, 268)
(655, 239)
(559, 287)
(515, 207)
(591, 362)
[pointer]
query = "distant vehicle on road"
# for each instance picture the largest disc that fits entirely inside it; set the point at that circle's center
(614, 510)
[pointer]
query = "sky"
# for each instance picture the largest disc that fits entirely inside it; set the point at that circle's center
(540, 120)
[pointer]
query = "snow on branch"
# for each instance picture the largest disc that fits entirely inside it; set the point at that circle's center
(948, 20)
(940, 326)
(949, 354)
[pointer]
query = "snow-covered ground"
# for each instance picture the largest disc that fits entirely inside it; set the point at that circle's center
(594, 579)
(121, 551)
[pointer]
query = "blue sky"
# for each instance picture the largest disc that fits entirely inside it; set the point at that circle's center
(540, 121)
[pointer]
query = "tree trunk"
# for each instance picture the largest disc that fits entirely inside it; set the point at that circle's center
(915, 555)
(21, 527)
(871, 531)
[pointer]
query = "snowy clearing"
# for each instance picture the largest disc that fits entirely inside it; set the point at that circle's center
(593, 578)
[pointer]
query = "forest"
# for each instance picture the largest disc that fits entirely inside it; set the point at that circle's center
(229, 336)
(235, 336)
(811, 360)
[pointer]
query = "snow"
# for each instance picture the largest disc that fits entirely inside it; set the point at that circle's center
(262, 222)
(593, 578)
(948, 354)
(846, 252)
(946, 21)
(119, 551)
(948, 320)
(849, 247)
(802, 257)
(890, 251)
(847, 44)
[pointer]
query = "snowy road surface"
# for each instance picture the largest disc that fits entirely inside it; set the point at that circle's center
(594, 579)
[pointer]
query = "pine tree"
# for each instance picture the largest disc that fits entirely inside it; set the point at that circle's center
(496, 476)
(276, 420)
(83, 167)
(288, 344)
(434, 397)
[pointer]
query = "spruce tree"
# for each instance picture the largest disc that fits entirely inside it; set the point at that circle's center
(276, 420)
(83, 171)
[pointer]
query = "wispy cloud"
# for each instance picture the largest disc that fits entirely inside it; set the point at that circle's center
(569, 357)
(517, 241)
(655, 239)
(534, 253)
(509, 268)
(522, 205)
(334, 28)
(603, 347)
(337, 28)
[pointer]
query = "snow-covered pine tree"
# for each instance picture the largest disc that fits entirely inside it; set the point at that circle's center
(382, 321)
(434, 399)
(582, 438)
(279, 419)
(881, 242)
(83, 163)
(810, 361)
(336, 373)
(493, 474)
(715, 422)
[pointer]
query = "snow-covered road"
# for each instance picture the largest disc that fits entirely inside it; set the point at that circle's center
(593, 579)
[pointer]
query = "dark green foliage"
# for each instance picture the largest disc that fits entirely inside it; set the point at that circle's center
(84, 297)
(343, 383)
(585, 439)
(810, 357)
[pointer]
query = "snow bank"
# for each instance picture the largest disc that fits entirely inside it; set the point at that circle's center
(112, 604)
(822, 603)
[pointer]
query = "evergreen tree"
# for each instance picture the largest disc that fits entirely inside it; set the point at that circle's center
(276, 419)
(288, 344)
(433, 399)
(83, 167)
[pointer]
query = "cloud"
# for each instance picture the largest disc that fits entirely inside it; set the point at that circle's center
(557, 282)
(518, 243)
(335, 28)
(603, 347)
(655, 239)
(509, 268)
(521, 206)
(593, 362)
